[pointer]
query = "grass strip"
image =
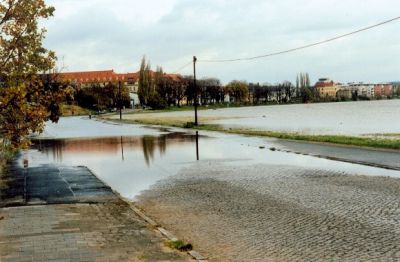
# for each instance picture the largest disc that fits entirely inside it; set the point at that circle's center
(189, 108)
(332, 139)
(73, 110)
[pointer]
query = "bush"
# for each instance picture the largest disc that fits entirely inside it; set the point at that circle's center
(189, 125)
(179, 245)
(156, 102)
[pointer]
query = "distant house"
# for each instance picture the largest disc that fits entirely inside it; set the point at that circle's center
(327, 87)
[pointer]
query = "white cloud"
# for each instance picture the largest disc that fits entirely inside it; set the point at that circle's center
(102, 34)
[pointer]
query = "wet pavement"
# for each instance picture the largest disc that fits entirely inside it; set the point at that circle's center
(389, 159)
(62, 213)
(52, 184)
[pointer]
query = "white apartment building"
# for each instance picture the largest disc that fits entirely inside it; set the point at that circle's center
(367, 90)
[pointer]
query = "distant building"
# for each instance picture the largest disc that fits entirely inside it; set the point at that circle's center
(134, 99)
(396, 88)
(345, 93)
(85, 79)
(383, 90)
(327, 87)
(364, 90)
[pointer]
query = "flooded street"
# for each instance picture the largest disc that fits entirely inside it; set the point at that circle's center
(245, 199)
(130, 164)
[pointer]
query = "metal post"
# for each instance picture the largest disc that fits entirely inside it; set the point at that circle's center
(120, 100)
(195, 91)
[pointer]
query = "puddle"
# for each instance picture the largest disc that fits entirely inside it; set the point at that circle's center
(131, 164)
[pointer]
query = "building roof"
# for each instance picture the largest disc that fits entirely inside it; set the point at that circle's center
(105, 76)
(89, 76)
(324, 83)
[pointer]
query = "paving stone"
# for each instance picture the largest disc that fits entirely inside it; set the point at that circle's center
(70, 229)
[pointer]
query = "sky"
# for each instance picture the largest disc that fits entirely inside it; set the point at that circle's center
(116, 34)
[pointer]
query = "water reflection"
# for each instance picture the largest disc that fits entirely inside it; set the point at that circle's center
(122, 149)
(150, 145)
(197, 146)
(132, 164)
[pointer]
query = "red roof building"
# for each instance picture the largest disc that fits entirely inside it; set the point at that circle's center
(130, 80)
(88, 77)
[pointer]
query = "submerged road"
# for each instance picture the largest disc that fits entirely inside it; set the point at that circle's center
(242, 201)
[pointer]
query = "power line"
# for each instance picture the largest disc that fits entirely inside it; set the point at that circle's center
(300, 47)
(182, 67)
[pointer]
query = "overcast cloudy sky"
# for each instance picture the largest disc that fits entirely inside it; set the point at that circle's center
(115, 34)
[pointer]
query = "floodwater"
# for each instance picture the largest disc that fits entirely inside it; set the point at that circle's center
(78, 127)
(344, 118)
(132, 158)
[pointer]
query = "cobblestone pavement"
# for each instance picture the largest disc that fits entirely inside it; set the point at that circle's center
(103, 229)
(234, 212)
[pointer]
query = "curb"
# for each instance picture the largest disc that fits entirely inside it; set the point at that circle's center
(194, 254)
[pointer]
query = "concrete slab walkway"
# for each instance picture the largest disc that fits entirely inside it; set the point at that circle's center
(53, 213)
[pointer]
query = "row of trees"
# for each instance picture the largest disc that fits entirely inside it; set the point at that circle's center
(101, 97)
(159, 90)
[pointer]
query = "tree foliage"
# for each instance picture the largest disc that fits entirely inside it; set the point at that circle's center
(238, 90)
(145, 82)
(304, 88)
(28, 97)
(101, 97)
(159, 90)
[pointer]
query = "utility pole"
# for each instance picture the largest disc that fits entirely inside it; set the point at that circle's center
(120, 100)
(195, 91)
